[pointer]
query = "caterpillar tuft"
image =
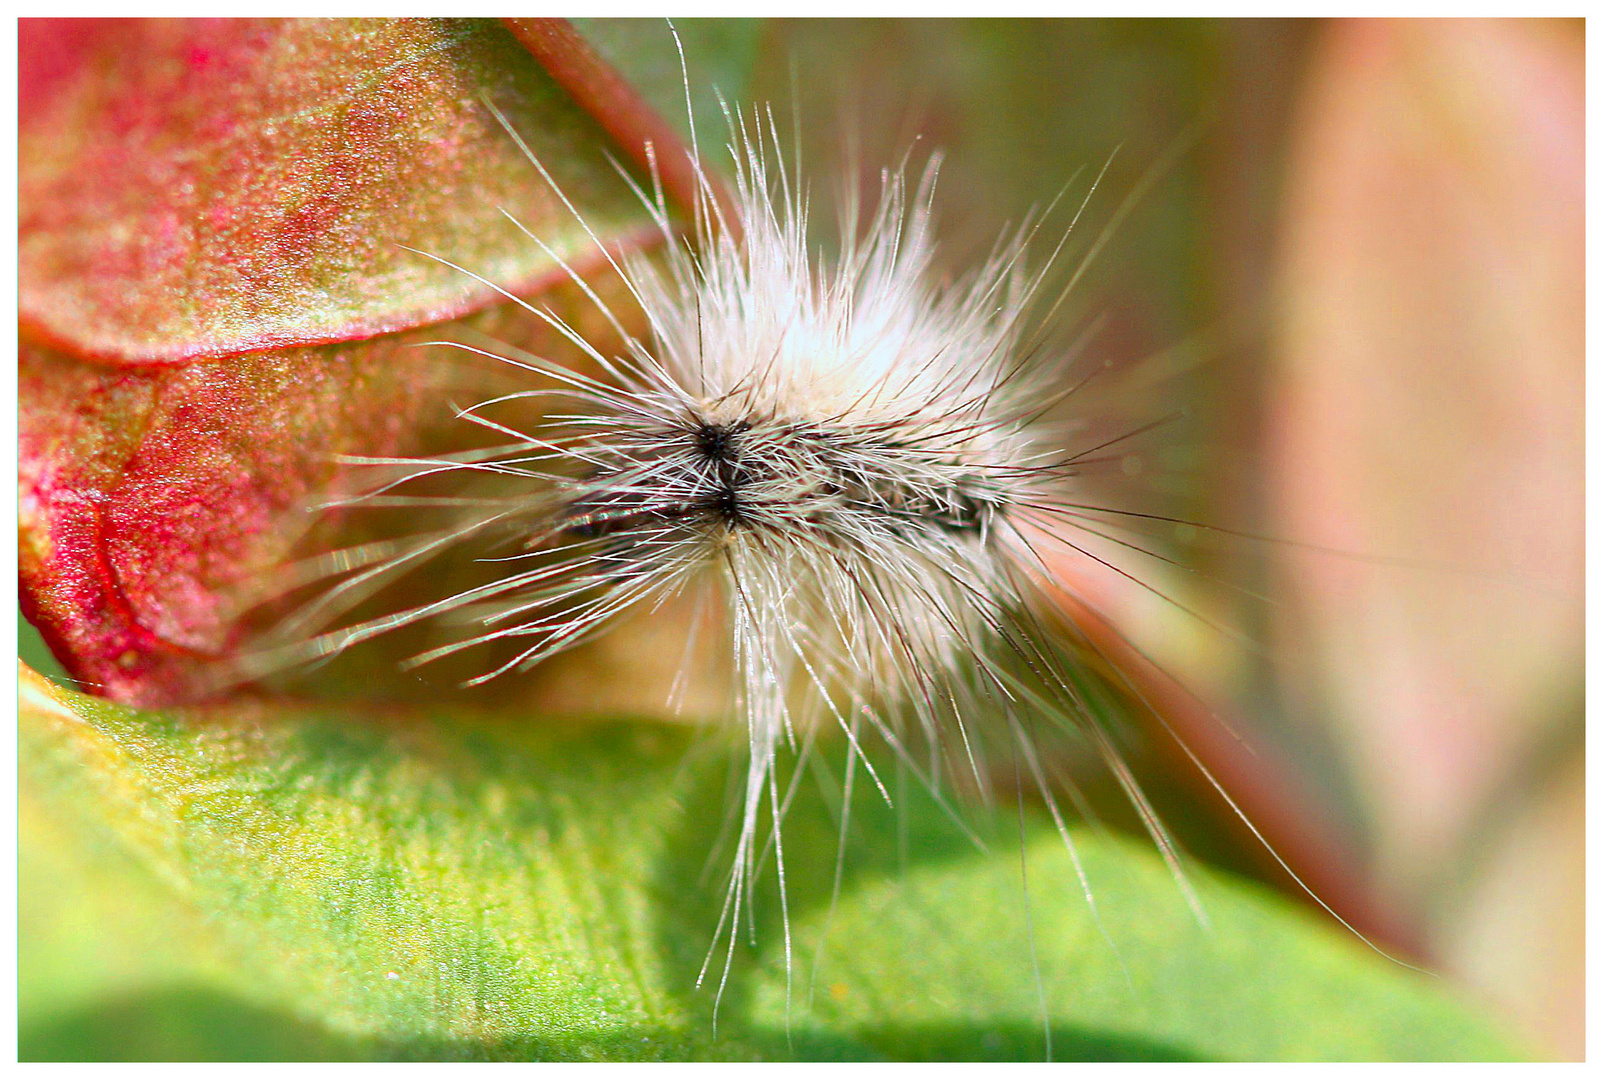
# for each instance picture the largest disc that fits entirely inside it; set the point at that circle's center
(867, 474)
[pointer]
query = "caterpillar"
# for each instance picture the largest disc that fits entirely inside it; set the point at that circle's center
(869, 474)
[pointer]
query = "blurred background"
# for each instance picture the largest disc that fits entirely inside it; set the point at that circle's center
(1354, 256)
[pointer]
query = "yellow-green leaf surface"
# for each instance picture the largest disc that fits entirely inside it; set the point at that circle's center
(271, 883)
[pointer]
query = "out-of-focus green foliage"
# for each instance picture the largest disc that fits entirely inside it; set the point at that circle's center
(256, 883)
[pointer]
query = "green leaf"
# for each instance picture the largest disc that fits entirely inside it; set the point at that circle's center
(265, 883)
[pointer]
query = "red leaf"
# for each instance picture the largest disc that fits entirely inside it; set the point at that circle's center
(214, 189)
(201, 189)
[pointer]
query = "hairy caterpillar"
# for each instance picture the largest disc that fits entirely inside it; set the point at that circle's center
(850, 456)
